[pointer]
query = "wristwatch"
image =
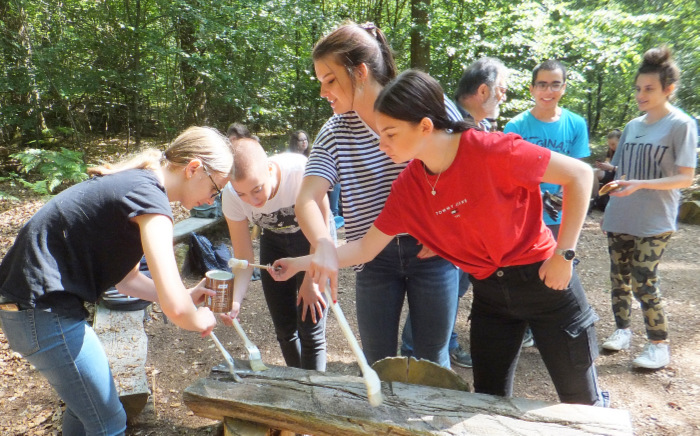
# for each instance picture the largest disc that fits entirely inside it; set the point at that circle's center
(567, 254)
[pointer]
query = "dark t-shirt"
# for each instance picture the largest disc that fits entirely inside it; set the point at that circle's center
(82, 241)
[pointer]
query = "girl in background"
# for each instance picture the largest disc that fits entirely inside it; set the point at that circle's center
(657, 158)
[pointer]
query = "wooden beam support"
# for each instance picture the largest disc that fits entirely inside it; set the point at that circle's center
(126, 344)
(325, 404)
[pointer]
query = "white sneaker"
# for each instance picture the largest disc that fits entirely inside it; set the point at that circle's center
(654, 356)
(620, 340)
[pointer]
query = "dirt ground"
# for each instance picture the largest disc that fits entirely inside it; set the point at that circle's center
(660, 402)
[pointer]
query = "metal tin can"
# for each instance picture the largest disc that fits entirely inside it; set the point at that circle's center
(222, 283)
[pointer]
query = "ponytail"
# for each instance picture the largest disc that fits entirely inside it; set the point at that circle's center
(415, 95)
(203, 143)
(352, 44)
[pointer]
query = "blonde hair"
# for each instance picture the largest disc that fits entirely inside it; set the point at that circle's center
(203, 143)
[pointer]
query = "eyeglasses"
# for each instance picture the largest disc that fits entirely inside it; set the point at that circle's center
(554, 86)
(218, 191)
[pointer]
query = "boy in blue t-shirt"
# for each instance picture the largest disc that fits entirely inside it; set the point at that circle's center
(551, 126)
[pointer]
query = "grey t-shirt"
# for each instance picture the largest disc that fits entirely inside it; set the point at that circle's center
(646, 152)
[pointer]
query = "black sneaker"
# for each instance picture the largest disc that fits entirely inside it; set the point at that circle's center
(460, 357)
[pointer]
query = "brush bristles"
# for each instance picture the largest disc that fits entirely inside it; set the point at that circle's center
(374, 388)
(238, 263)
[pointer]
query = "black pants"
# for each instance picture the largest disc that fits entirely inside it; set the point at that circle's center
(303, 343)
(562, 324)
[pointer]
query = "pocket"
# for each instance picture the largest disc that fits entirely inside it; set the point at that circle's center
(20, 331)
(581, 339)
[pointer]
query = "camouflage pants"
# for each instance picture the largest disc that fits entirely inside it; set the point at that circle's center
(634, 262)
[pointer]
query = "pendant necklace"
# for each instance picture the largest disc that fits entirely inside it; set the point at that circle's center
(432, 187)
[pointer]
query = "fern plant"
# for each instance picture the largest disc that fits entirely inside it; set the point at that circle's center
(55, 168)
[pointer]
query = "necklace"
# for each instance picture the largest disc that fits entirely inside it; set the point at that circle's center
(432, 187)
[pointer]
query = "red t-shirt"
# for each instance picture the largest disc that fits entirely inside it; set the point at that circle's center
(487, 211)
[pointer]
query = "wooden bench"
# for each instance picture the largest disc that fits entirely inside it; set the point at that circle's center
(326, 404)
(183, 228)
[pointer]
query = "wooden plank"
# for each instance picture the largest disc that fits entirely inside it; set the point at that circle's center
(328, 404)
(126, 344)
(193, 224)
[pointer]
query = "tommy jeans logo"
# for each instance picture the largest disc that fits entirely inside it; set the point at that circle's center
(452, 209)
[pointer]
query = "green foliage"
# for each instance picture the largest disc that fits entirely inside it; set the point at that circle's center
(54, 168)
(152, 67)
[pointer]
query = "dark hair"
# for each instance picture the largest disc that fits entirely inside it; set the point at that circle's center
(549, 65)
(483, 71)
(238, 130)
(293, 144)
(415, 95)
(659, 60)
(352, 44)
(614, 133)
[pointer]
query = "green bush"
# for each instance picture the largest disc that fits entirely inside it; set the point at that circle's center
(54, 168)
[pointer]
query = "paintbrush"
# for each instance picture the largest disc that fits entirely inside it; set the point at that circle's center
(372, 382)
(256, 363)
(227, 357)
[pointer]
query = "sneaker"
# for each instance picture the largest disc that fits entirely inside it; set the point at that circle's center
(528, 339)
(654, 356)
(620, 340)
(460, 357)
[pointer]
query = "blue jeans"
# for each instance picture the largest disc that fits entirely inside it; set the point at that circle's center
(430, 286)
(562, 324)
(68, 353)
(334, 200)
(303, 343)
(407, 335)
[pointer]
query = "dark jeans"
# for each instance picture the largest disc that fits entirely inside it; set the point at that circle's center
(430, 285)
(303, 343)
(407, 333)
(562, 324)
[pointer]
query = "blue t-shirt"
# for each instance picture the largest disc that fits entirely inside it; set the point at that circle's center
(568, 135)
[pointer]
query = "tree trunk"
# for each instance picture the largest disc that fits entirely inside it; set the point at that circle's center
(420, 35)
(192, 81)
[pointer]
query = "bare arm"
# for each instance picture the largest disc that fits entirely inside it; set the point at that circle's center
(174, 298)
(683, 179)
(239, 231)
(576, 179)
(313, 214)
(352, 253)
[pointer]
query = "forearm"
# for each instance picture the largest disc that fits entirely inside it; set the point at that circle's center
(138, 285)
(678, 181)
(575, 202)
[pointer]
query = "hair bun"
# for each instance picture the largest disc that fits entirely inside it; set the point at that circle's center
(657, 55)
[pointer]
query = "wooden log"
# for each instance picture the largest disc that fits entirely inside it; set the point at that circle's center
(325, 404)
(126, 344)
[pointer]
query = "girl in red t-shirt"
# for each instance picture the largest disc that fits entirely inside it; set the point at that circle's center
(473, 198)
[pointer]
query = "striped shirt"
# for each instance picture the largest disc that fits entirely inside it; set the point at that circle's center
(346, 150)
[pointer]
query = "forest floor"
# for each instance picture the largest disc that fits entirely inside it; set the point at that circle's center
(663, 402)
